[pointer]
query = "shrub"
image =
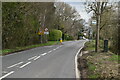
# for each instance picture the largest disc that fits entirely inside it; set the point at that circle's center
(68, 37)
(55, 35)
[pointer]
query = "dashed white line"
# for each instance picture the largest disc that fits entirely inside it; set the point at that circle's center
(60, 46)
(54, 49)
(43, 54)
(37, 57)
(15, 65)
(6, 75)
(32, 58)
(57, 48)
(25, 64)
(49, 51)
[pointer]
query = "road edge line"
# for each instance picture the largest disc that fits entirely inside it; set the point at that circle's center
(77, 72)
(7, 75)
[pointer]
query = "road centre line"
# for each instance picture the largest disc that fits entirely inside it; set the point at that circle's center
(57, 48)
(15, 65)
(32, 58)
(50, 51)
(25, 65)
(43, 54)
(61, 46)
(54, 49)
(6, 75)
(37, 57)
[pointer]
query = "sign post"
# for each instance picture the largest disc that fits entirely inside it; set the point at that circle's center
(46, 33)
(94, 22)
(40, 33)
(43, 32)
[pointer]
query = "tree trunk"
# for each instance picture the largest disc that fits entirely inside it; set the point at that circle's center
(97, 33)
(98, 28)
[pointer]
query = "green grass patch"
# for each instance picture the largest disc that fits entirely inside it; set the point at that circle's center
(90, 46)
(91, 66)
(6, 51)
(93, 76)
(114, 57)
(91, 69)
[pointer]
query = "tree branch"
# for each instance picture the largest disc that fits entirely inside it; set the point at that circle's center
(103, 6)
(103, 25)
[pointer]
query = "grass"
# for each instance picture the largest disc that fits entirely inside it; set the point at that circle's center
(90, 46)
(114, 57)
(96, 65)
(91, 66)
(93, 76)
(7, 51)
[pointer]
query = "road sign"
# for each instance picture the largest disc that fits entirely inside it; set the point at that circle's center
(46, 32)
(40, 32)
(46, 29)
(94, 22)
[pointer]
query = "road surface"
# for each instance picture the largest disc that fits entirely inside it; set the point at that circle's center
(56, 61)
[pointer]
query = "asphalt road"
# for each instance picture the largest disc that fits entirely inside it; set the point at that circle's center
(56, 61)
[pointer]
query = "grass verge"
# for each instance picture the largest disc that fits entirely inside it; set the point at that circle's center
(102, 65)
(17, 49)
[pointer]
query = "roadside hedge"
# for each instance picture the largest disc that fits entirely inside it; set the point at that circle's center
(55, 35)
(68, 37)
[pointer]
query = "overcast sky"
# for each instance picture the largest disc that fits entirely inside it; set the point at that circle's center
(80, 7)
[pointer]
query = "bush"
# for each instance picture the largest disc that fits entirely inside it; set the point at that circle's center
(55, 35)
(68, 37)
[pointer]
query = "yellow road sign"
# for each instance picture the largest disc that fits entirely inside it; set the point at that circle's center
(41, 33)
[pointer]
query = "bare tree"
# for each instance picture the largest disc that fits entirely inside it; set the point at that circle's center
(98, 7)
(68, 19)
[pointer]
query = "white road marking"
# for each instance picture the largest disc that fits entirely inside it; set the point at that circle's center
(6, 75)
(37, 57)
(25, 64)
(43, 54)
(32, 58)
(61, 46)
(49, 51)
(57, 48)
(15, 65)
(77, 72)
(54, 49)
(76, 64)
